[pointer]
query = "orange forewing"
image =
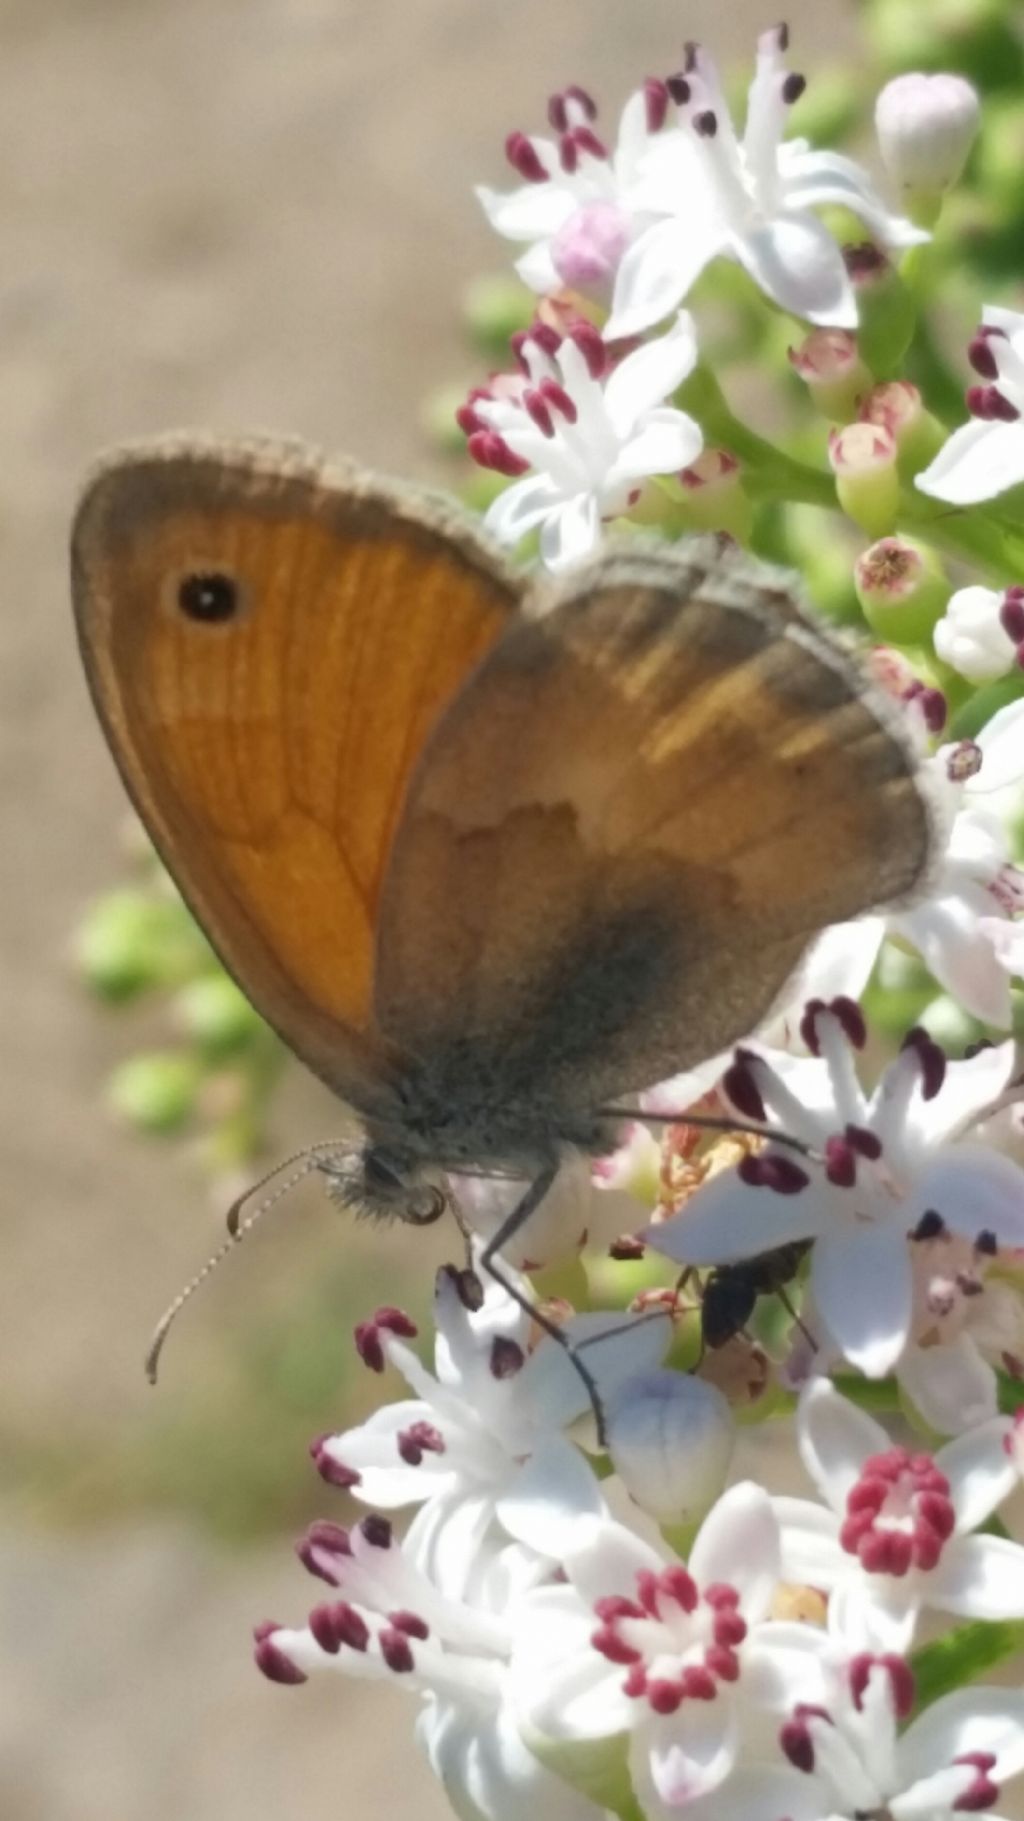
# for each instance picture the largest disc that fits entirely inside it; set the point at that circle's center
(269, 754)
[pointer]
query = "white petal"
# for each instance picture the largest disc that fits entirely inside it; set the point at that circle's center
(975, 1190)
(980, 460)
(783, 1665)
(559, 1683)
(980, 1472)
(797, 262)
(648, 376)
(675, 1758)
(979, 1577)
(656, 273)
(530, 213)
(570, 533)
(811, 1552)
(537, 269)
(760, 1794)
(1002, 748)
(524, 505)
(486, 1770)
(873, 1612)
(835, 1438)
(838, 962)
(971, 1719)
(951, 1386)
(945, 931)
(550, 1498)
(727, 1220)
(739, 1543)
(862, 1284)
(667, 442)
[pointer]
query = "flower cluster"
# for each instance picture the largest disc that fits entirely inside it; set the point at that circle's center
(606, 1599)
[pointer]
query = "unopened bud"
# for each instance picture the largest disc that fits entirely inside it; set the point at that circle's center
(926, 125)
(588, 248)
(670, 1438)
(713, 494)
(898, 406)
(863, 458)
(982, 633)
(830, 365)
(903, 589)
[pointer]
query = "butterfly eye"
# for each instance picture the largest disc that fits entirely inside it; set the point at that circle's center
(210, 596)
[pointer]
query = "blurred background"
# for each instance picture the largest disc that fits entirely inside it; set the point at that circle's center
(233, 214)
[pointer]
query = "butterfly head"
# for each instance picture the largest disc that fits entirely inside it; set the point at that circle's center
(386, 1181)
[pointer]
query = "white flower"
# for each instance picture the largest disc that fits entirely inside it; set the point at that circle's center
(897, 1540)
(591, 438)
(966, 1323)
(756, 205)
(981, 632)
(578, 206)
(962, 928)
(685, 1660)
(926, 126)
(850, 1759)
(462, 1442)
(986, 456)
(877, 1168)
(388, 1620)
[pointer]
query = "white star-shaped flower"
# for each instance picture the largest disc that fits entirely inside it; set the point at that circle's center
(590, 434)
(754, 201)
(877, 1169)
(986, 456)
(578, 204)
(854, 1756)
(684, 1659)
(462, 1441)
(894, 1538)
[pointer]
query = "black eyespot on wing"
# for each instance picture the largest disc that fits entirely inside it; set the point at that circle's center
(210, 596)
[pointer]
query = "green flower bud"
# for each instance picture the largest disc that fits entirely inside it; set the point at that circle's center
(713, 497)
(155, 1092)
(863, 458)
(217, 1016)
(903, 590)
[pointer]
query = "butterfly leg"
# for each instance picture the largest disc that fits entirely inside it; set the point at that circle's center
(490, 1262)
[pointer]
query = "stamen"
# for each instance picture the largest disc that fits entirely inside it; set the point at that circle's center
(656, 97)
(679, 89)
(963, 762)
(592, 347)
(741, 1086)
(988, 403)
(1011, 614)
(900, 1678)
(931, 1058)
(840, 1163)
(793, 87)
(419, 1439)
(536, 408)
(865, 1143)
(272, 1661)
(507, 1358)
(930, 1226)
(981, 357)
(490, 450)
(706, 123)
(982, 1792)
(524, 158)
(330, 1468)
(377, 1531)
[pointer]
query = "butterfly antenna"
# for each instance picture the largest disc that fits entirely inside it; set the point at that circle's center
(308, 1160)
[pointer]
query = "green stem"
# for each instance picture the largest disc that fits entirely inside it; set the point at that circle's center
(770, 474)
(997, 550)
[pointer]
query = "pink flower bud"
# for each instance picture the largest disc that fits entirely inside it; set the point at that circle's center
(829, 363)
(587, 250)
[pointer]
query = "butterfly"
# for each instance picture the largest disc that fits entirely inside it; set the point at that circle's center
(489, 851)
